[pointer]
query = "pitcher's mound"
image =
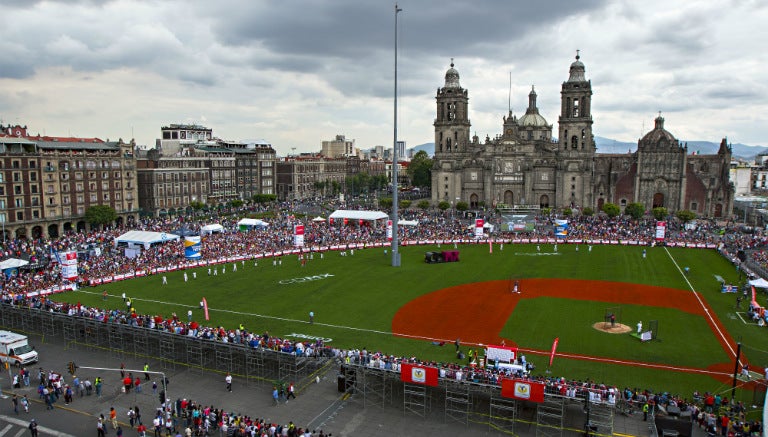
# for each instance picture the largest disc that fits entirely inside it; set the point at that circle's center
(617, 328)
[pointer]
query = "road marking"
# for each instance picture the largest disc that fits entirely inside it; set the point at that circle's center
(5, 430)
(41, 429)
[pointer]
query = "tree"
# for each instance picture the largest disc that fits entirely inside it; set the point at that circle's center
(589, 212)
(264, 198)
(567, 212)
(635, 210)
(420, 170)
(236, 203)
(385, 202)
(423, 204)
(660, 212)
(100, 215)
(546, 211)
(405, 204)
(685, 215)
(443, 205)
(462, 206)
(611, 209)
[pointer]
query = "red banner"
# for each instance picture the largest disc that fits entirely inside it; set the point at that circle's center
(522, 390)
(418, 374)
(205, 307)
(552, 352)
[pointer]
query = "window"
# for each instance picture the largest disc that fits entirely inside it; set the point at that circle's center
(16, 164)
(20, 216)
(2, 191)
(33, 189)
(17, 189)
(544, 177)
(65, 200)
(17, 176)
(80, 198)
(106, 197)
(623, 202)
(93, 197)
(19, 203)
(694, 206)
(33, 176)
(105, 175)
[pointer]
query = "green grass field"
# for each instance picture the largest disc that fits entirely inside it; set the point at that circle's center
(354, 307)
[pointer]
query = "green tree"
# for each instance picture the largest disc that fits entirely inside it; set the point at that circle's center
(423, 204)
(685, 215)
(264, 198)
(335, 187)
(462, 206)
(546, 211)
(443, 205)
(589, 212)
(100, 215)
(196, 205)
(660, 212)
(236, 203)
(567, 212)
(420, 170)
(635, 210)
(385, 202)
(405, 204)
(611, 209)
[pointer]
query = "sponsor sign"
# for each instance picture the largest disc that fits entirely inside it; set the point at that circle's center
(479, 228)
(522, 390)
(416, 374)
(661, 230)
(192, 246)
(305, 279)
(298, 235)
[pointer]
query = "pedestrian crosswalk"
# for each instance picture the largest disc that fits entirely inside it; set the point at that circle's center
(16, 427)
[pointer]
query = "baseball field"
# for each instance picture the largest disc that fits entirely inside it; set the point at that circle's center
(419, 309)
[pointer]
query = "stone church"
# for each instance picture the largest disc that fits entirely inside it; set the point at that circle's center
(526, 166)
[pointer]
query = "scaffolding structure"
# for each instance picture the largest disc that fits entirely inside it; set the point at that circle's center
(458, 403)
(502, 413)
(550, 416)
(415, 399)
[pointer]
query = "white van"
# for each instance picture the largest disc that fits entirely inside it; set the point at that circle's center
(15, 349)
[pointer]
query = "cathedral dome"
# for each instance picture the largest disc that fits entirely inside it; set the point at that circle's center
(658, 138)
(532, 116)
(452, 77)
(577, 70)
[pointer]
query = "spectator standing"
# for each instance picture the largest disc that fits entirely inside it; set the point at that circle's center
(228, 380)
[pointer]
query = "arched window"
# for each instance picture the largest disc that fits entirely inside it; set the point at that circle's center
(575, 107)
(574, 142)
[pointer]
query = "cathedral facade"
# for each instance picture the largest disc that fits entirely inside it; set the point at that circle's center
(526, 166)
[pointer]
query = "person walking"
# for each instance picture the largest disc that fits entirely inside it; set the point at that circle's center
(275, 395)
(100, 432)
(113, 417)
(291, 393)
(311, 317)
(33, 427)
(25, 403)
(146, 371)
(228, 380)
(15, 402)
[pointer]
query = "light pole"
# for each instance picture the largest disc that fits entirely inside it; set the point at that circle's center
(395, 253)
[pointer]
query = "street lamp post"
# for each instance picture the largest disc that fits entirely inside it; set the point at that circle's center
(395, 253)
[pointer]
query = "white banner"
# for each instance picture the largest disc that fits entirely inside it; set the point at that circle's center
(298, 235)
(479, 228)
(69, 266)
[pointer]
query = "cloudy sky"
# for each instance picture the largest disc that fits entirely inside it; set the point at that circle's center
(298, 72)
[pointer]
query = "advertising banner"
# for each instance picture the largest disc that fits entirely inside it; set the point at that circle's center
(69, 266)
(389, 230)
(561, 228)
(661, 230)
(192, 246)
(479, 228)
(298, 235)
(501, 353)
(523, 390)
(415, 374)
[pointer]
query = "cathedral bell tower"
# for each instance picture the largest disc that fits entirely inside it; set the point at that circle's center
(576, 144)
(451, 139)
(452, 121)
(575, 112)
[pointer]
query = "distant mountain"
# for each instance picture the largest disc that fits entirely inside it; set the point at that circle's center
(427, 147)
(608, 145)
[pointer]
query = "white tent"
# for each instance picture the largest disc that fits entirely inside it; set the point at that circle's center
(211, 229)
(759, 283)
(251, 223)
(145, 238)
(408, 222)
(318, 219)
(358, 215)
(12, 263)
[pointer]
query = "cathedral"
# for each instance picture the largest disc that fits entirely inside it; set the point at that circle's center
(525, 166)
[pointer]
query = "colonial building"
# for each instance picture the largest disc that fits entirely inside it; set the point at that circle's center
(307, 176)
(48, 183)
(189, 164)
(525, 165)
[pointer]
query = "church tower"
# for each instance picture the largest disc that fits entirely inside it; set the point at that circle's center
(451, 137)
(576, 144)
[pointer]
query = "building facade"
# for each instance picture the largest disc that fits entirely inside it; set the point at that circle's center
(48, 183)
(525, 165)
(307, 176)
(189, 164)
(338, 148)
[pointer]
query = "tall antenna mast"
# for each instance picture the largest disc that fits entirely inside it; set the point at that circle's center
(509, 99)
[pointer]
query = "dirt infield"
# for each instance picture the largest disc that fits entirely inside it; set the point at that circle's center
(616, 328)
(444, 314)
